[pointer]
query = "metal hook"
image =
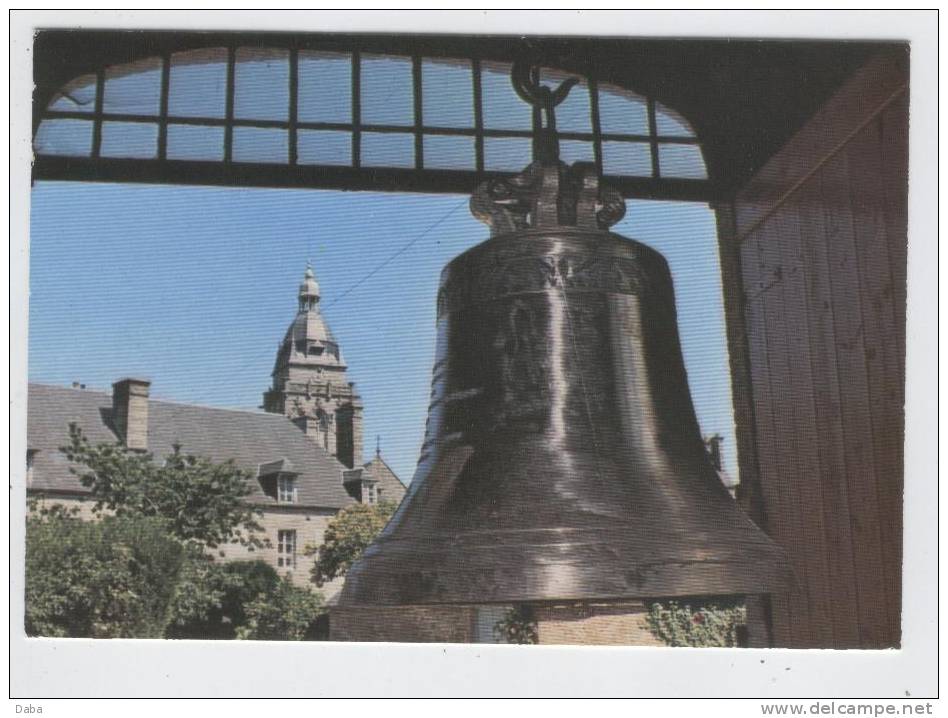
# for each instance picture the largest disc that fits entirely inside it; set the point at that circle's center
(533, 93)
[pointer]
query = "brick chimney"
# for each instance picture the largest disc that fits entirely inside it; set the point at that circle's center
(130, 412)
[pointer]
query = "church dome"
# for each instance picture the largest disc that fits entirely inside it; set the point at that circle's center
(308, 340)
(310, 327)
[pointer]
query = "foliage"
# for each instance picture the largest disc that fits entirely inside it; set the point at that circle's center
(711, 623)
(197, 597)
(127, 577)
(289, 613)
(113, 578)
(348, 534)
(143, 570)
(212, 598)
(518, 626)
(39, 507)
(201, 500)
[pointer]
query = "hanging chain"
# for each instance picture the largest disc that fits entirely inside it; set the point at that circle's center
(532, 92)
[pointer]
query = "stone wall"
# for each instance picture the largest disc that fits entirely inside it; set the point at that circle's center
(576, 624)
(594, 624)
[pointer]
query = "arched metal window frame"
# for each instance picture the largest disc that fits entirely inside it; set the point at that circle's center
(355, 177)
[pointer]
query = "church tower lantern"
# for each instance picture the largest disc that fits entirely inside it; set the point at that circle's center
(310, 385)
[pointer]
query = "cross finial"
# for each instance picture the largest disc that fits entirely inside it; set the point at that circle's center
(378, 445)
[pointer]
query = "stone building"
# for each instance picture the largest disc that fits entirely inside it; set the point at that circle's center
(299, 481)
(310, 386)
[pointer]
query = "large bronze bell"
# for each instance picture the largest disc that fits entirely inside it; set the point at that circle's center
(562, 458)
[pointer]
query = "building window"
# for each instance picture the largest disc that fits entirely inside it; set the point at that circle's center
(286, 549)
(368, 493)
(30, 455)
(286, 490)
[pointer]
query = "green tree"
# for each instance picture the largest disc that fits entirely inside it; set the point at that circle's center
(212, 598)
(198, 595)
(143, 570)
(110, 577)
(348, 534)
(200, 500)
(113, 578)
(289, 613)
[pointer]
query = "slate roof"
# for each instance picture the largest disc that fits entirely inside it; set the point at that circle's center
(250, 438)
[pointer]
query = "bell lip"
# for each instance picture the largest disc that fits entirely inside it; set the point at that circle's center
(782, 585)
(384, 584)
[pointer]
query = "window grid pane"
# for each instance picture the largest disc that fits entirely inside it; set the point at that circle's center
(576, 151)
(262, 84)
(448, 93)
(76, 96)
(633, 159)
(194, 142)
(331, 126)
(449, 152)
(325, 87)
(622, 112)
(133, 89)
(260, 144)
(129, 139)
(324, 147)
(386, 91)
(507, 154)
(388, 149)
(197, 83)
(681, 161)
(64, 137)
(670, 124)
(502, 108)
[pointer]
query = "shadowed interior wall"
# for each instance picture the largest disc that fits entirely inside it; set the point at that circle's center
(814, 259)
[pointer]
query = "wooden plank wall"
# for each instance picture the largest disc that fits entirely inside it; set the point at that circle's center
(815, 246)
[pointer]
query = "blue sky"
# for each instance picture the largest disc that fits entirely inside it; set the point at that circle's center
(193, 287)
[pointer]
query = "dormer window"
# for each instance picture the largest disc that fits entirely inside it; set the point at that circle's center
(315, 350)
(369, 495)
(278, 480)
(286, 490)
